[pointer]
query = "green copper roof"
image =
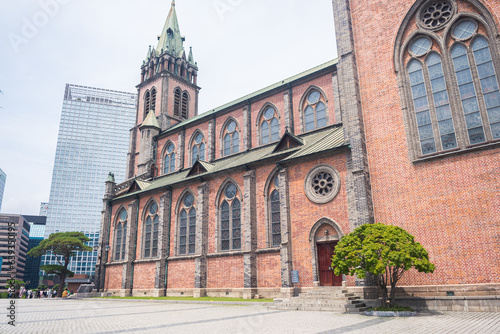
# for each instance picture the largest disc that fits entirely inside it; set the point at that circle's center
(151, 120)
(171, 38)
(322, 140)
(209, 114)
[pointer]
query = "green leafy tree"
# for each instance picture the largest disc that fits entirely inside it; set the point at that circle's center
(16, 284)
(384, 251)
(63, 245)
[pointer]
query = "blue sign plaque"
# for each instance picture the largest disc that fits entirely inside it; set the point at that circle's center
(295, 276)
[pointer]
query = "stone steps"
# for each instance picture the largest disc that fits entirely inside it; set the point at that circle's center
(322, 299)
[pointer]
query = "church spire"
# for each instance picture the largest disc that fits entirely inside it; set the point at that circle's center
(171, 38)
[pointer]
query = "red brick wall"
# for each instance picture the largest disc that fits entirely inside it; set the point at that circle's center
(144, 275)
(225, 272)
(181, 274)
(304, 213)
(113, 279)
(451, 204)
(268, 270)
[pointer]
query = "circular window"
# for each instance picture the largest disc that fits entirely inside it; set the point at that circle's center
(269, 113)
(188, 201)
(465, 30)
(322, 184)
(314, 97)
(153, 208)
(198, 138)
(123, 215)
(436, 14)
(420, 47)
(231, 191)
(231, 127)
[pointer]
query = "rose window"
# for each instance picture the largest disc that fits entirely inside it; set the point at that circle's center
(437, 14)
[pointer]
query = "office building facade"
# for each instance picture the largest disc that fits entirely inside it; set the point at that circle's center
(92, 141)
(3, 179)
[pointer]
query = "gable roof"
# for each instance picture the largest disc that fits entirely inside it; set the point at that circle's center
(288, 141)
(316, 142)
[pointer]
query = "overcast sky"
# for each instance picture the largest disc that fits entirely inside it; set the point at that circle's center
(240, 46)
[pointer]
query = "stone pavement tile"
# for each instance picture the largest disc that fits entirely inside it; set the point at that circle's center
(137, 316)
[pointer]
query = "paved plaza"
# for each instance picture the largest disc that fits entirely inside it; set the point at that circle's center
(132, 316)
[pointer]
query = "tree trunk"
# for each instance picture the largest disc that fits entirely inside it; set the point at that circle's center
(61, 285)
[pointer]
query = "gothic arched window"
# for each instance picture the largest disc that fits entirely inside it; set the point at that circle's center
(231, 139)
(147, 103)
(185, 100)
(198, 148)
(269, 126)
(169, 159)
(274, 215)
(177, 102)
(451, 81)
(121, 235)
(187, 226)
(153, 99)
(230, 219)
(314, 111)
(150, 229)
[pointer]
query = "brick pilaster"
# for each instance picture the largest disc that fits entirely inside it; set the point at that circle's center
(164, 239)
(211, 141)
(131, 247)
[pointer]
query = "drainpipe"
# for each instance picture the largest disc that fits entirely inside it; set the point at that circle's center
(168, 236)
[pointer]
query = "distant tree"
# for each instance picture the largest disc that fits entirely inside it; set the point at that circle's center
(384, 251)
(64, 245)
(16, 284)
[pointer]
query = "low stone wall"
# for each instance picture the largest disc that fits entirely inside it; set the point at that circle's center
(459, 297)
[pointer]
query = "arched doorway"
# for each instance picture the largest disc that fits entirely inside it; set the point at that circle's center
(324, 236)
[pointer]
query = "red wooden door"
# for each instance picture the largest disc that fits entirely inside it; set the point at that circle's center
(326, 275)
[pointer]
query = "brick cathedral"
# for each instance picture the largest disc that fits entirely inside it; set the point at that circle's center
(403, 129)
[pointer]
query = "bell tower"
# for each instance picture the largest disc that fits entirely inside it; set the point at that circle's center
(168, 89)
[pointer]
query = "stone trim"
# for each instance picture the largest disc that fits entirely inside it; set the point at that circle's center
(358, 178)
(180, 258)
(227, 253)
(258, 122)
(286, 259)
(267, 207)
(218, 199)
(211, 141)
(303, 103)
(458, 118)
(308, 187)
(267, 250)
(247, 127)
(191, 143)
(164, 209)
(162, 156)
(336, 98)
(152, 259)
(250, 230)
(177, 209)
(314, 249)
(288, 112)
(202, 217)
(181, 150)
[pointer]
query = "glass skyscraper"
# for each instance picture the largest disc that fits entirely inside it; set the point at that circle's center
(3, 178)
(93, 141)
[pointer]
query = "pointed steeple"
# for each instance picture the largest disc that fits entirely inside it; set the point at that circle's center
(171, 38)
(150, 121)
(190, 58)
